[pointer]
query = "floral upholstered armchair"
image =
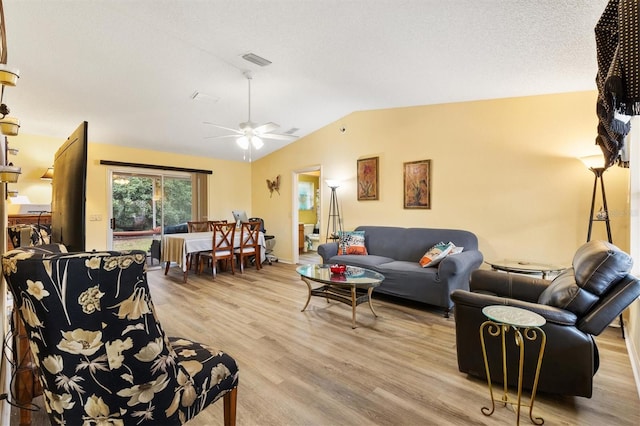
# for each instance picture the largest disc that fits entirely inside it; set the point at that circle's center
(103, 357)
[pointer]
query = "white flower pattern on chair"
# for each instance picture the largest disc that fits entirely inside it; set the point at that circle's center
(104, 357)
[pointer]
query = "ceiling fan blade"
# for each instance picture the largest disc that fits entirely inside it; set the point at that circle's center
(266, 128)
(221, 137)
(225, 128)
(278, 136)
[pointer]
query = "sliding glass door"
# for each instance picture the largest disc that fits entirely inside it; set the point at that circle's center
(145, 205)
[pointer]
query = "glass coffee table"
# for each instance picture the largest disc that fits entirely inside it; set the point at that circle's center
(348, 287)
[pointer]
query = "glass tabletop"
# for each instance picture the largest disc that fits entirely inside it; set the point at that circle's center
(513, 316)
(360, 277)
(524, 266)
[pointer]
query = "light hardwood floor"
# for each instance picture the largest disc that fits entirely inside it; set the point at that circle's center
(312, 368)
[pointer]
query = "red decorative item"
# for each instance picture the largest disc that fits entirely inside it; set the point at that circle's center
(338, 269)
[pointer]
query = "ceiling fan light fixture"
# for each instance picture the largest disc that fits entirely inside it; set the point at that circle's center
(256, 142)
(243, 142)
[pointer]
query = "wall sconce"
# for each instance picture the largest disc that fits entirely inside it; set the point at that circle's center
(8, 76)
(9, 126)
(9, 173)
(48, 174)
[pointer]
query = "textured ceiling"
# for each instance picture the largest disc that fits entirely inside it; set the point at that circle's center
(130, 68)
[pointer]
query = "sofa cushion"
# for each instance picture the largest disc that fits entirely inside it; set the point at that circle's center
(435, 254)
(369, 262)
(352, 243)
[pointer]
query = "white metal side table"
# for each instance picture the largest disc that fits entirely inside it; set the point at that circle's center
(526, 326)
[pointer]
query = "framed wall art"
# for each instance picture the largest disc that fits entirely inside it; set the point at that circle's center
(417, 184)
(368, 179)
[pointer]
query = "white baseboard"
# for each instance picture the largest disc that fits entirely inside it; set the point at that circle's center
(634, 357)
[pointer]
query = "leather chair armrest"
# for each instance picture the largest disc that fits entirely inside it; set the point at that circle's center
(516, 286)
(327, 251)
(479, 301)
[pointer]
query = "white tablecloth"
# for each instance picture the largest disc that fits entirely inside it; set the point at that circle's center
(176, 246)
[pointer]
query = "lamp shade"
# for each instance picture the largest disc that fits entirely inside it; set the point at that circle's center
(48, 174)
(593, 161)
(332, 183)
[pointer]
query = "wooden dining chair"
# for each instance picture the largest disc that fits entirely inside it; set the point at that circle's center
(223, 240)
(249, 245)
(213, 222)
(196, 226)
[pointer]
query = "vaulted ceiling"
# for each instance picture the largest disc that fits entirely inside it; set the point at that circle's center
(131, 68)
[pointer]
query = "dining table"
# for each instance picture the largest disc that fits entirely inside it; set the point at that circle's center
(176, 247)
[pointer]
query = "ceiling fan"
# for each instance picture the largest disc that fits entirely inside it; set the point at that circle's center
(249, 133)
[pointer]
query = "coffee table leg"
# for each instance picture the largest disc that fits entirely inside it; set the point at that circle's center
(370, 305)
(353, 306)
(308, 296)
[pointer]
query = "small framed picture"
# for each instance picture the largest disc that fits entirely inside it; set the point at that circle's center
(417, 184)
(368, 179)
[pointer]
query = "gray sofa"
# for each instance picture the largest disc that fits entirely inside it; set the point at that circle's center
(395, 253)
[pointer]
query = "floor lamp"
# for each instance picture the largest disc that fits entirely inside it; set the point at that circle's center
(595, 163)
(334, 225)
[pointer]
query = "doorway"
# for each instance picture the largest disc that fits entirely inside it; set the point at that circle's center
(306, 214)
(144, 205)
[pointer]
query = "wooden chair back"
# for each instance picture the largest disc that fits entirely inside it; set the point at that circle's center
(213, 222)
(198, 226)
(223, 238)
(222, 247)
(249, 243)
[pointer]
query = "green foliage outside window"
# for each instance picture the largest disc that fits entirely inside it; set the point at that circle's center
(133, 203)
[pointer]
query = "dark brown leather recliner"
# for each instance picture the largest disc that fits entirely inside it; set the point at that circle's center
(578, 304)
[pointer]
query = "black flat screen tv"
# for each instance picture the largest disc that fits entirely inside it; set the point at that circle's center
(68, 198)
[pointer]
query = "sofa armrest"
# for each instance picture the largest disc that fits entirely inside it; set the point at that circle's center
(516, 286)
(478, 300)
(327, 251)
(461, 263)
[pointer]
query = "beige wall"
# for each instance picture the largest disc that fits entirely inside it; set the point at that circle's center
(505, 169)
(229, 185)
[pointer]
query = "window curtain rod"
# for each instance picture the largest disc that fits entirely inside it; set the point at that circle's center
(154, 167)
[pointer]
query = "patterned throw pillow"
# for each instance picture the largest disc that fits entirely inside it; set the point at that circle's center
(435, 254)
(455, 249)
(352, 243)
